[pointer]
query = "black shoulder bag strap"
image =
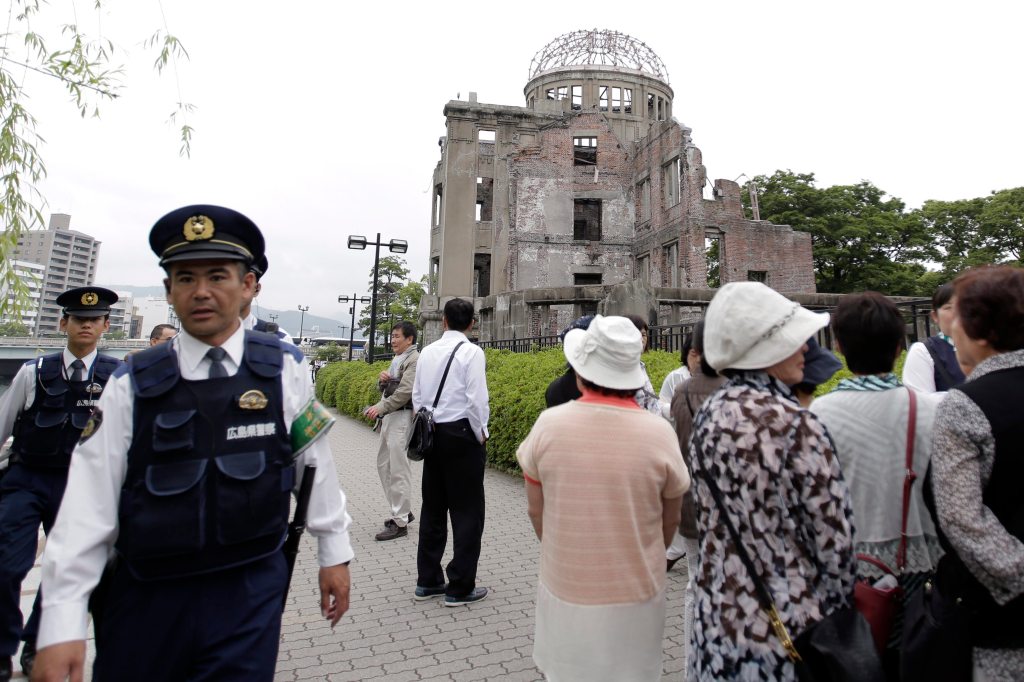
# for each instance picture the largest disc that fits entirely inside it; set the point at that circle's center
(940, 366)
(762, 591)
(444, 376)
(686, 395)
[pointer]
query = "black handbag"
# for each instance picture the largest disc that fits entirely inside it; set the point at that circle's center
(421, 432)
(837, 648)
(936, 642)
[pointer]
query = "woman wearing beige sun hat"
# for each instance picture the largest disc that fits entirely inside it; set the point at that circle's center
(604, 484)
(779, 483)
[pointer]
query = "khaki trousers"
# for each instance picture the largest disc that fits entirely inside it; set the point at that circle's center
(393, 464)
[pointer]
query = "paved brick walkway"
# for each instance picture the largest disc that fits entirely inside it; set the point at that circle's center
(386, 635)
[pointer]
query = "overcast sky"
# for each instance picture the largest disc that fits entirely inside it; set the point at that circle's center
(320, 119)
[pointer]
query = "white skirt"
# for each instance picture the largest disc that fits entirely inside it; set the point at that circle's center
(613, 643)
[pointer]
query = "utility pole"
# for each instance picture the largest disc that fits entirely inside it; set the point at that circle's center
(302, 318)
(353, 299)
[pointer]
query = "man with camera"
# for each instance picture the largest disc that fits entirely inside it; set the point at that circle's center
(394, 410)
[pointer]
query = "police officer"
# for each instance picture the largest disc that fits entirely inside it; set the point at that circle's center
(46, 408)
(259, 268)
(185, 472)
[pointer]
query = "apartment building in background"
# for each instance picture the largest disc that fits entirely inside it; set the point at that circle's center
(32, 274)
(68, 258)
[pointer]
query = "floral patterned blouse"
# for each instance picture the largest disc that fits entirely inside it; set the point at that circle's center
(780, 480)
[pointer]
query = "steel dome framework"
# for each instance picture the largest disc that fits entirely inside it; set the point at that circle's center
(598, 47)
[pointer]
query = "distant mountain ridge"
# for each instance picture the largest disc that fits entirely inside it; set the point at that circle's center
(312, 325)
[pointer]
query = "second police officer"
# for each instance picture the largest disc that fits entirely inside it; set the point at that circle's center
(185, 474)
(45, 408)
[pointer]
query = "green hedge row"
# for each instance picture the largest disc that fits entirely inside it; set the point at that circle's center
(515, 381)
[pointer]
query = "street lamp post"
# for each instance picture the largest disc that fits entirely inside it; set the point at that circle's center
(359, 242)
(352, 334)
(302, 318)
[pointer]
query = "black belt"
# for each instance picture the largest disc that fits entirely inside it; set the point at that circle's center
(407, 406)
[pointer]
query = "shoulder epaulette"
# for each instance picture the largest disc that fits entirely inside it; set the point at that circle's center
(154, 371)
(105, 366)
(49, 368)
(263, 353)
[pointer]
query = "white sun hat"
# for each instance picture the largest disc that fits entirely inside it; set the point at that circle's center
(751, 326)
(607, 353)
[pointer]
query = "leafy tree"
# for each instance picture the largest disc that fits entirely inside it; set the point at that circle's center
(1002, 220)
(862, 239)
(330, 352)
(406, 305)
(956, 228)
(116, 335)
(391, 277)
(714, 264)
(84, 67)
(13, 329)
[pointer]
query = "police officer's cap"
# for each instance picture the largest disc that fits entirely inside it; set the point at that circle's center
(260, 267)
(205, 232)
(87, 301)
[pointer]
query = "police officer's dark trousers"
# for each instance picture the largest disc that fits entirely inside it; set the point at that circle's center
(29, 497)
(453, 483)
(218, 627)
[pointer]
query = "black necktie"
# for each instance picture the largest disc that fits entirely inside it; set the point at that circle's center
(216, 356)
(79, 373)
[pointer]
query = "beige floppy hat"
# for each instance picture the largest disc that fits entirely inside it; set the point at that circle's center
(607, 353)
(751, 326)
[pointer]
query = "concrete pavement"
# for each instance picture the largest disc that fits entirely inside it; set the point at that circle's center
(389, 637)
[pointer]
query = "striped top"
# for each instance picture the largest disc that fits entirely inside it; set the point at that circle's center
(605, 471)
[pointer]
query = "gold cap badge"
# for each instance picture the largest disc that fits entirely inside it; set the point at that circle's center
(252, 400)
(90, 298)
(198, 228)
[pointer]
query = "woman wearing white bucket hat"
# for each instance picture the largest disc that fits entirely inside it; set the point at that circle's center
(779, 482)
(604, 509)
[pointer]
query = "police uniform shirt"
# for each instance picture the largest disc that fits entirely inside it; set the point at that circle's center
(83, 536)
(22, 391)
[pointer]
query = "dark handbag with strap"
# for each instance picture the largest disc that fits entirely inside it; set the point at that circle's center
(879, 605)
(837, 648)
(421, 432)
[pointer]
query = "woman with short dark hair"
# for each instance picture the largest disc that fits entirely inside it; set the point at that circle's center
(688, 398)
(869, 417)
(977, 470)
(931, 364)
(645, 396)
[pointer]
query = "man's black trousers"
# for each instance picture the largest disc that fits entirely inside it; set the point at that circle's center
(453, 483)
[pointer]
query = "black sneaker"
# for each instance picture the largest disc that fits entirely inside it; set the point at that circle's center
(425, 593)
(411, 517)
(392, 532)
(7, 667)
(478, 594)
(28, 657)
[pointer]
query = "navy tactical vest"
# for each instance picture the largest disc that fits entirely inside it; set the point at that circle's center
(269, 328)
(210, 465)
(947, 370)
(47, 432)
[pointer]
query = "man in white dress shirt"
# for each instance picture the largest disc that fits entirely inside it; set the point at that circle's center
(45, 408)
(453, 472)
(183, 477)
